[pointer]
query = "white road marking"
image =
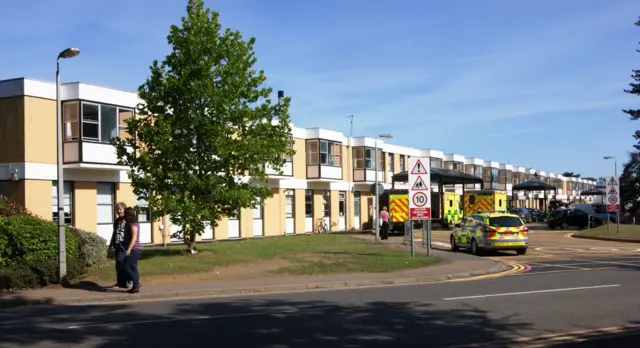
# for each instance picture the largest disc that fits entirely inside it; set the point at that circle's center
(531, 292)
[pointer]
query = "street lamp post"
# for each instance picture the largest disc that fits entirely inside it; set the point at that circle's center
(615, 173)
(376, 213)
(62, 252)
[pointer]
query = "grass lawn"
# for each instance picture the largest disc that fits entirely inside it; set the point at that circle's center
(626, 231)
(295, 255)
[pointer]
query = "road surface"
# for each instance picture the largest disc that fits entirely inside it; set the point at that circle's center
(491, 313)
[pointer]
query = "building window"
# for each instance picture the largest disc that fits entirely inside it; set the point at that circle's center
(308, 203)
(495, 175)
(289, 157)
(324, 152)
(390, 162)
(105, 203)
(234, 215)
(70, 119)
(123, 115)
(356, 203)
(509, 175)
(457, 166)
(101, 123)
(144, 214)
(342, 203)
(363, 158)
(326, 203)
(68, 202)
(402, 164)
(257, 211)
(435, 162)
(289, 203)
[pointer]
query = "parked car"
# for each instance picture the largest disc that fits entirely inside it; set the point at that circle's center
(537, 215)
(566, 218)
(523, 213)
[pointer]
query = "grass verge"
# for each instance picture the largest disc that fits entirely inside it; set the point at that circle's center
(296, 255)
(626, 232)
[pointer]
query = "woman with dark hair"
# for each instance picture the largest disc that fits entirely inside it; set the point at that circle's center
(117, 244)
(133, 249)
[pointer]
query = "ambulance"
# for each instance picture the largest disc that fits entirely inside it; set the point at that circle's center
(397, 202)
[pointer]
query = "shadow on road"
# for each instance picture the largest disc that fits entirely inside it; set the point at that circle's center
(252, 323)
(261, 323)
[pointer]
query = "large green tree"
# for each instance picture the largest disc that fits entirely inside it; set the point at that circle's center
(634, 114)
(630, 184)
(205, 122)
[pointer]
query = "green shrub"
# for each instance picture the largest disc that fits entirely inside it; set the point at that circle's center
(35, 274)
(32, 239)
(92, 249)
(9, 208)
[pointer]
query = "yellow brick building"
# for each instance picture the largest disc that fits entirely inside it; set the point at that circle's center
(328, 178)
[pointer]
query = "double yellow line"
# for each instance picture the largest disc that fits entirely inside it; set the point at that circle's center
(515, 269)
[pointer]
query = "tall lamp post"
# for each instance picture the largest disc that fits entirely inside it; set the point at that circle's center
(376, 213)
(62, 252)
(615, 172)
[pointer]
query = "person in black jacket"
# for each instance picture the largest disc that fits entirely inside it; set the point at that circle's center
(118, 245)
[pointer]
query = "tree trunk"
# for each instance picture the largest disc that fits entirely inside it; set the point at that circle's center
(189, 239)
(192, 242)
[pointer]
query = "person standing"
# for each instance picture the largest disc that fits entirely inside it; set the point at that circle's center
(117, 244)
(384, 217)
(133, 249)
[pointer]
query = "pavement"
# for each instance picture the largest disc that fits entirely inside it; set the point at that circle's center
(566, 309)
(456, 267)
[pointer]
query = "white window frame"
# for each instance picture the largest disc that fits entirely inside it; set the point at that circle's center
(390, 162)
(84, 138)
(144, 213)
(258, 209)
(82, 121)
(403, 164)
(308, 200)
(289, 203)
(110, 204)
(326, 203)
(342, 203)
(68, 203)
(356, 203)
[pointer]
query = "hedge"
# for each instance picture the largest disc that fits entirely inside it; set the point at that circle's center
(29, 250)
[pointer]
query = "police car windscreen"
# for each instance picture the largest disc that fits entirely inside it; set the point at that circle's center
(505, 221)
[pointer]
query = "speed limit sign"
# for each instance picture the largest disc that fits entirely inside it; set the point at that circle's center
(419, 189)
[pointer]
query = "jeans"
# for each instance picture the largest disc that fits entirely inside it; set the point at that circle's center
(131, 266)
(385, 230)
(121, 275)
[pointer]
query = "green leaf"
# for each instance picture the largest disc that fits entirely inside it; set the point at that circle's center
(206, 119)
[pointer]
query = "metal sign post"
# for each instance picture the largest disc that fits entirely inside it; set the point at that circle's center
(613, 200)
(420, 197)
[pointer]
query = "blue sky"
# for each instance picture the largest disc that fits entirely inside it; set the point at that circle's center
(532, 83)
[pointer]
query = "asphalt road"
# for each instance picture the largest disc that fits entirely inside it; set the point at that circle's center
(453, 314)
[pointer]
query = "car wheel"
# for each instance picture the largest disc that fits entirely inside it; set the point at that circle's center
(454, 246)
(565, 225)
(521, 251)
(474, 247)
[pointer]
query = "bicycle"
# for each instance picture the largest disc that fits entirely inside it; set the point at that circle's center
(321, 226)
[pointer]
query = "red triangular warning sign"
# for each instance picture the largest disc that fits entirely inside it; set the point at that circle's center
(419, 168)
(419, 185)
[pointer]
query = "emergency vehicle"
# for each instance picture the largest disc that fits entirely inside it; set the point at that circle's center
(487, 200)
(397, 202)
(490, 230)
